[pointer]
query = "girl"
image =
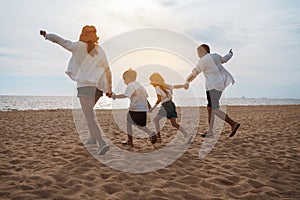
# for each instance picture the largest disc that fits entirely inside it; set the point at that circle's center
(168, 109)
(88, 66)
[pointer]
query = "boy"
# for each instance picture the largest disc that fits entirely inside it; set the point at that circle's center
(139, 105)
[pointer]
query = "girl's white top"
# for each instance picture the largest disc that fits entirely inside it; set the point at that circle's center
(83, 68)
(164, 97)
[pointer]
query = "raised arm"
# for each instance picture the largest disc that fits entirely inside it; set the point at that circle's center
(58, 40)
(227, 57)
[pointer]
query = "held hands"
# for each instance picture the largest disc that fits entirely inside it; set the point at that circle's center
(186, 85)
(43, 33)
(109, 94)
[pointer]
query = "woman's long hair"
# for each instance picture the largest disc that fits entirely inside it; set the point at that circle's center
(157, 80)
(88, 35)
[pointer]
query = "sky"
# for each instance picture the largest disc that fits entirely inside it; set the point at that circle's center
(264, 36)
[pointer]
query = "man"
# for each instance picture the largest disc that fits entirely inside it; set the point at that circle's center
(217, 78)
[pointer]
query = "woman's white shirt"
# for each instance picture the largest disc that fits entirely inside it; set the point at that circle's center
(83, 68)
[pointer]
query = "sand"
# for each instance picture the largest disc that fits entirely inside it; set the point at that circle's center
(42, 157)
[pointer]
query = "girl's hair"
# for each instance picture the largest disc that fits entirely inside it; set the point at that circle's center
(88, 35)
(157, 80)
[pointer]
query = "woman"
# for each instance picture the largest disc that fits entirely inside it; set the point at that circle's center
(88, 66)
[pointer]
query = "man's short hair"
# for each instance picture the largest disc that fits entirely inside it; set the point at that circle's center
(205, 47)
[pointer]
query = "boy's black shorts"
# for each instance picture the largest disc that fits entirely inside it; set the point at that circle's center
(137, 118)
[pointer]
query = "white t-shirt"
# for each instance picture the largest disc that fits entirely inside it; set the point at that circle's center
(138, 97)
(216, 76)
(83, 68)
(164, 97)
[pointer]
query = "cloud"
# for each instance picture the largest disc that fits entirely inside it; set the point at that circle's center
(264, 34)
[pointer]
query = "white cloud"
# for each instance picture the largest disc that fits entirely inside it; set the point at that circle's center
(265, 34)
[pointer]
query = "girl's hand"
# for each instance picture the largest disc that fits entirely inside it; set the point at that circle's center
(43, 33)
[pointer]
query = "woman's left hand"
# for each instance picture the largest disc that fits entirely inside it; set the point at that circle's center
(109, 94)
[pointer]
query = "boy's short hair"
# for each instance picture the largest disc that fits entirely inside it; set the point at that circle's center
(205, 47)
(130, 73)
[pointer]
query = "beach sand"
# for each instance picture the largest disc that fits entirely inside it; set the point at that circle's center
(42, 157)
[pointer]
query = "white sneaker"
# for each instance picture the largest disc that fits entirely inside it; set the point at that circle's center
(91, 141)
(103, 149)
(189, 139)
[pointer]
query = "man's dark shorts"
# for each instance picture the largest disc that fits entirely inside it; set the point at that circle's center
(213, 98)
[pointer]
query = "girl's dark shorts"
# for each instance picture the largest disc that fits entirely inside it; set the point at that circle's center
(168, 109)
(137, 118)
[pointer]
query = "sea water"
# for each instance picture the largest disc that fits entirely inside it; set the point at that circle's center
(11, 103)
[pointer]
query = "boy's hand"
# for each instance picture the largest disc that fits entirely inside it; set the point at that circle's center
(43, 33)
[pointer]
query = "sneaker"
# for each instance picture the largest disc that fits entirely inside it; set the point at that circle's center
(91, 141)
(208, 135)
(103, 149)
(189, 139)
(153, 138)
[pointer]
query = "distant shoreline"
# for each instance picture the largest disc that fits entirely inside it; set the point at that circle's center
(178, 107)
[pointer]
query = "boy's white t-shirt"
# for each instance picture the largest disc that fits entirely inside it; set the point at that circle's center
(164, 97)
(138, 97)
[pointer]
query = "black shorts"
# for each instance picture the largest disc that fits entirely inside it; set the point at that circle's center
(168, 109)
(137, 118)
(213, 98)
(89, 91)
